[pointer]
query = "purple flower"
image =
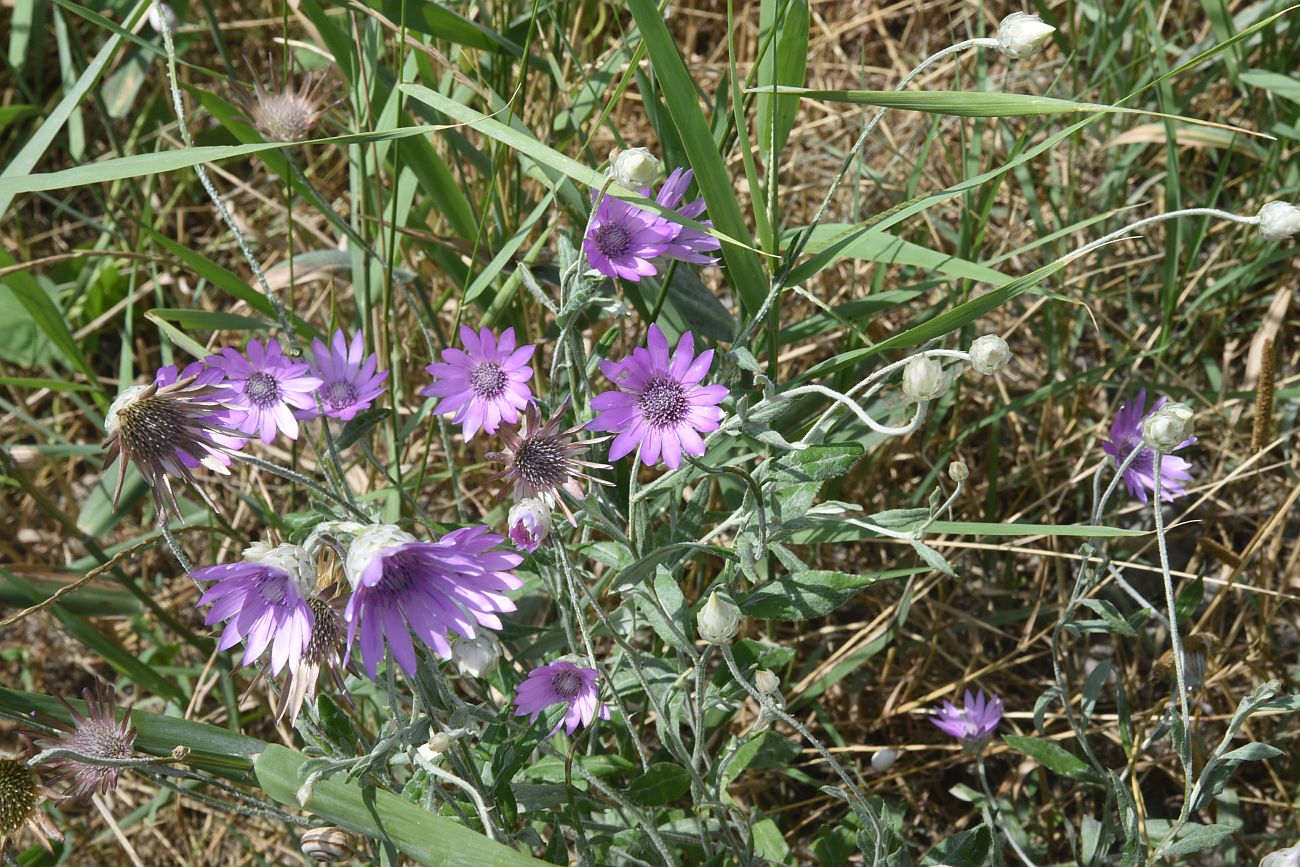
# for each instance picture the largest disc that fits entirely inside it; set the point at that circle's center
(660, 406)
(622, 239)
(97, 733)
(484, 384)
(265, 388)
(402, 586)
(529, 521)
(972, 723)
(264, 600)
(561, 683)
(348, 382)
(689, 245)
(1126, 435)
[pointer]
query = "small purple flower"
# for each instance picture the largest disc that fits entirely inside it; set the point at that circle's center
(529, 521)
(97, 733)
(561, 683)
(402, 586)
(265, 388)
(484, 384)
(349, 382)
(623, 239)
(689, 245)
(660, 406)
(1126, 435)
(265, 601)
(973, 723)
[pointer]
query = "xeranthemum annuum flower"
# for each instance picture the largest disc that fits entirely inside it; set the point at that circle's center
(401, 585)
(166, 428)
(97, 733)
(279, 112)
(264, 388)
(484, 384)
(20, 806)
(540, 460)
(561, 682)
(1126, 435)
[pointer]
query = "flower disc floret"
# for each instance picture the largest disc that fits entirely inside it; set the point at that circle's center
(660, 406)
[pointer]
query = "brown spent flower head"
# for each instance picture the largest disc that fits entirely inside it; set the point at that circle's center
(20, 806)
(1196, 650)
(158, 427)
(98, 734)
(279, 112)
(324, 650)
(540, 460)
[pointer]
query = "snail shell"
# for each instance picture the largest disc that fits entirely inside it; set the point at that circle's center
(328, 845)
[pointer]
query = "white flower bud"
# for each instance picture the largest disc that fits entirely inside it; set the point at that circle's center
(635, 168)
(438, 744)
(476, 656)
(958, 471)
(883, 760)
(989, 354)
(529, 521)
(159, 14)
(766, 682)
(1279, 221)
(1168, 427)
(1022, 34)
(368, 543)
(718, 620)
(1288, 857)
(923, 379)
(293, 560)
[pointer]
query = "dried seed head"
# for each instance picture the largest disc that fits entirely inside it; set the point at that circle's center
(541, 460)
(97, 734)
(279, 112)
(20, 805)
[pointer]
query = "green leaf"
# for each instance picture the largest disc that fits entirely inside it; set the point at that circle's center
(745, 270)
(1052, 757)
(83, 602)
(932, 558)
(1190, 599)
(361, 424)
(811, 594)
(1192, 837)
(784, 62)
(662, 783)
(208, 320)
(963, 849)
(44, 314)
(423, 836)
(1281, 85)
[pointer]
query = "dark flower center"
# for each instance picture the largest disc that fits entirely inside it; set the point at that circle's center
(17, 796)
(663, 402)
(100, 737)
(567, 683)
(488, 380)
(326, 632)
(401, 570)
(612, 239)
(262, 389)
(541, 462)
(153, 428)
(340, 394)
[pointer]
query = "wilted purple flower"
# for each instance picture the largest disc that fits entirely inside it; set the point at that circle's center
(484, 384)
(661, 406)
(688, 245)
(401, 585)
(1126, 435)
(324, 649)
(541, 461)
(264, 388)
(98, 734)
(264, 599)
(972, 723)
(561, 683)
(167, 428)
(623, 238)
(348, 379)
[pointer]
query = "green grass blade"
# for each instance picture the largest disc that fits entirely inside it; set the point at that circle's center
(784, 64)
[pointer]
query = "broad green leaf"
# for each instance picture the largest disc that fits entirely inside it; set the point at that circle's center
(662, 783)
(814, 593)
(745, 271)
(963, 849)
(44, 314)
(1052, 757)
(423, 836)
(1282, 85)
(1192, 837)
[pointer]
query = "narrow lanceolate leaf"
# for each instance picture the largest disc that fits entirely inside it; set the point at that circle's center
(1052, 757)
(783, 27)
(417, 833)
(745, 270)
(814, 593)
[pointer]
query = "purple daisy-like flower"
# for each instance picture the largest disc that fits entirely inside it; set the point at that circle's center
(349, 382)
(970, 724)
(265, 601)
(1126, 435)
(264, 388)
(561, 683)
(97, 733)
(622, 239)
(660, 406)
(484, 384)
(401, 586)
(688, 245)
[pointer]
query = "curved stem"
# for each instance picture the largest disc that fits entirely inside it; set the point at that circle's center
(993, 809)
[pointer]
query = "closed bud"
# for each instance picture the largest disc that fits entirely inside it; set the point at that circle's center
(1288, 857)
(883, 760)
(438, 744)
(1168, 427)
(767, 682)
(635, 168)
(529, 521)
(989, 354)
(1022, 34)
(923, 379)
(161, 15)
(1279, 221)
(476, 656)
(719, 620)
(958, 471)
